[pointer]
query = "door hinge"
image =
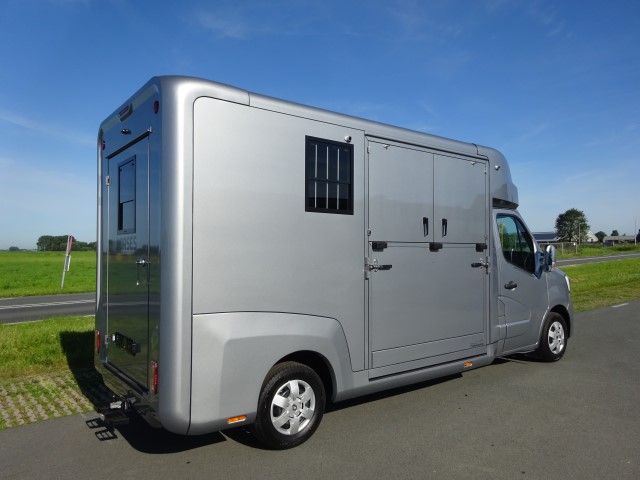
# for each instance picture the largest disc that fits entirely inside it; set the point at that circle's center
(107, 181)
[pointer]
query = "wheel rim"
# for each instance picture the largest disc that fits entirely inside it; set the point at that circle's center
(556, 338)
(293, 407)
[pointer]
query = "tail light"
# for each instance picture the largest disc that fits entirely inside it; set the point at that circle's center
(154, 385)
(98, 342)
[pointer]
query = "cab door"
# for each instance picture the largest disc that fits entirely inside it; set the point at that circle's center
(523, 297)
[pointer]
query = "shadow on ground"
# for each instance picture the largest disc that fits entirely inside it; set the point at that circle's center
(78, 347)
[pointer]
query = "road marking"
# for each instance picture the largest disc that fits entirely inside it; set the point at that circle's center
(50, 304)
(621, 305)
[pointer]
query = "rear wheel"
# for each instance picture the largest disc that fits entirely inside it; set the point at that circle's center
(553, 342)
(290, 406)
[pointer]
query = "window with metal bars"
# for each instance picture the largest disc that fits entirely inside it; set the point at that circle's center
(329, 176)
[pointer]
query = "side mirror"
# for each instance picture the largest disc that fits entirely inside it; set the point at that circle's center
(550, 257)
(545, 262)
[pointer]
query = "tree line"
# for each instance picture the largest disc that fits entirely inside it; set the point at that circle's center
(58, 243)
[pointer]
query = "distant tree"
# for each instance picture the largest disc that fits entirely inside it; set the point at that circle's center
(572, 226)
(615, 233)
(601, 236)
(14, 249)
(58, 243)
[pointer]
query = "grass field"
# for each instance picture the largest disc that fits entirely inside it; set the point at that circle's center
(587, 250)
(602, 284)
(35, 348)
(39, 273)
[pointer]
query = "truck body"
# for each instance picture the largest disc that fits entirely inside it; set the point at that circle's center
(238, 233)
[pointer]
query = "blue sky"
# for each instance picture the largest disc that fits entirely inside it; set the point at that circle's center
(554, 85)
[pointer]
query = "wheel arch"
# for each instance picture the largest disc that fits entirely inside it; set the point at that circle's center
(564, 313)
(318, 363)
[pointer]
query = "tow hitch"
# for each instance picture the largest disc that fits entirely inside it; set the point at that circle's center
(118, 412)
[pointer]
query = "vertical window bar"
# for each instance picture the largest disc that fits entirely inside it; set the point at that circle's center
(315, 171)
(328, 160)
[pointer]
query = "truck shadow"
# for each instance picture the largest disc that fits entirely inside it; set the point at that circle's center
(78, 349)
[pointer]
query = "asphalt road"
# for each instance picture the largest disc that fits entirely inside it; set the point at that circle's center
(516, 419)
(25, 309)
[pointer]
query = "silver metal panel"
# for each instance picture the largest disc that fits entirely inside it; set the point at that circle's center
(425, 298)
(254, 246)
(460, 200)
(400, 193)
(241, 347)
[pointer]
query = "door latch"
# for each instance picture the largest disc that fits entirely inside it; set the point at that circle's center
(483, 263)
(374, 266)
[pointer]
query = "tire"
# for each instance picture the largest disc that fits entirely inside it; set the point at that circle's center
(553, 341)
(290, 406)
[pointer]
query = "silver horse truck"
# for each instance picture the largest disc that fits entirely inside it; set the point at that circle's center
(258, 258)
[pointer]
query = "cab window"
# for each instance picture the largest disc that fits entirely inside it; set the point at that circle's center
(516, 243)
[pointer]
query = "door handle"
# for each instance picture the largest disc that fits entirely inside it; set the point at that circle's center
(142, 263)
(511, 285)
(425, 226)
(445, 227)
(374, 267)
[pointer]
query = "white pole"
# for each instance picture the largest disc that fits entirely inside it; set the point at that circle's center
(67, 259)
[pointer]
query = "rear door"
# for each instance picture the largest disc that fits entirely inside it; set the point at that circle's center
(128, 261)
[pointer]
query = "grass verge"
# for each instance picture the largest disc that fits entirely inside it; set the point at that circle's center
(596, 285)
(39, 273)
(597, 250)
(46, 370)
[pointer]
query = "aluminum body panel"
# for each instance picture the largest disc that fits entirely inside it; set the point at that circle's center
(256, 247)
(234, 352)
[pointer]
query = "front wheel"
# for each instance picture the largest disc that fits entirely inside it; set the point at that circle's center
(553, 342)
(290, 406)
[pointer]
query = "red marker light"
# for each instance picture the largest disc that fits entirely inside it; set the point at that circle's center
(154, 385)
(156, 106)
(125, 112)
(104, 144)
(98, 341)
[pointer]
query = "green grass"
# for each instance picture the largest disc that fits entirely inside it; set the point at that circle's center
(596, 250)
(46, 346)
(596, 285)
(39, 273)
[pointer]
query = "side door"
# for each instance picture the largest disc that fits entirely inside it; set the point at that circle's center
(522, 296)
(426, 301)
(128, 261)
